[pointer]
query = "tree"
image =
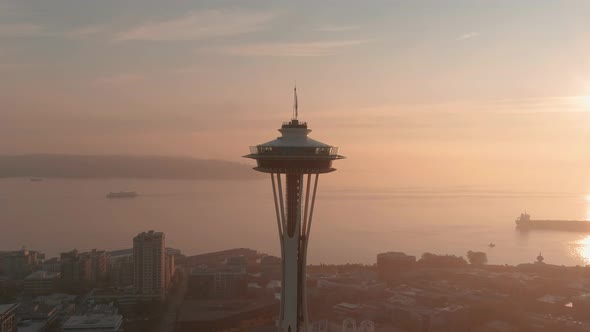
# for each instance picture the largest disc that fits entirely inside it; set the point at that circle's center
(477, 257)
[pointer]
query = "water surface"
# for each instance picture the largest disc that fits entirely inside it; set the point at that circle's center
(350, 225)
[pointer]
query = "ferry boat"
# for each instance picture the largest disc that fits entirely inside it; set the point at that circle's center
(525, 222)
(122, 194)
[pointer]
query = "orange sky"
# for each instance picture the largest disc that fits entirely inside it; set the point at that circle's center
(414, 94)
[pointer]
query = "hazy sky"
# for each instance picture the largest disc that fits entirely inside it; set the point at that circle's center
(414, 92)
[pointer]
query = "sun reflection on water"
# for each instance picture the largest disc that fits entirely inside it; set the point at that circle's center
(581, 247)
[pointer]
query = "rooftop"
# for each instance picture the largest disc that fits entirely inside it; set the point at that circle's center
(31, 326)
(93, 321)
(214, 310)
(4, 308)
(150, 235)
(43, 275)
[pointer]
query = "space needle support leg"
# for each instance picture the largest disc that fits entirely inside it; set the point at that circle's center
(281, 225)
(283, 221)
(279, 217)
(306, 207)
(315, 188)
(279, 221)
(301, 313)
(307, 231)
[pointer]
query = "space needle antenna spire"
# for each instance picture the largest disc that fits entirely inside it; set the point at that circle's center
(295, 105)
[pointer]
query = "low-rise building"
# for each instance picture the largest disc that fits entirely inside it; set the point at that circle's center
(125, 299)
(35, 317)
(93, 323)
(8, 317)
(217, 284)
(41, 282)
(66, 304)
(226, 315)
(391, 264)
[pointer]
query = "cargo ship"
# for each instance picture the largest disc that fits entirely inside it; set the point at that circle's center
(524, 222)
(122, 194)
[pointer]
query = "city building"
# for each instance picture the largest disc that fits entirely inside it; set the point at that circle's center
(94, 322)
(221, 283)
(125, 299)
(18, 264)
(37, 316)
(220, 257)
(391, 264)
(8, 317)
(121, 271)
(270, 267)
(169, 270)
(98, 264)
(51, 265)
(149, 259)
(66, 304)
(41, 282)
(226, 315)
(293, 161)
(173, 252)
(237, 262)
(76, 270)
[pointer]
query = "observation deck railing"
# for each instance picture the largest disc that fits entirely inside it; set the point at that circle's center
(293, 151)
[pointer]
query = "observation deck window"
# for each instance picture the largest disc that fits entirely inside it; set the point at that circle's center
(296, 151)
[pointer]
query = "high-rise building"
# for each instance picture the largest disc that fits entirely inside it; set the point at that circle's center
(292, 161)
(18, 264)
(98, 264)
(75, 270)
(149, 264)
(121, 271)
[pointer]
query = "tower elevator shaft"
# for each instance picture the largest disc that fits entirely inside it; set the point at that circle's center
(294, 213)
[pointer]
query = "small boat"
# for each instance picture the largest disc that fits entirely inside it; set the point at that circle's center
(36, 179)
(492, 245)
(122, 194)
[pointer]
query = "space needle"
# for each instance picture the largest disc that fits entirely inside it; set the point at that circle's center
(294, 161)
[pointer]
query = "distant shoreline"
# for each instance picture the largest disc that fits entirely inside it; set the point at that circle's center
(118, 166)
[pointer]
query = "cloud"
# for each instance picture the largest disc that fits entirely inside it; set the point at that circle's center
(200, 25)
(468, 35)
(313, 48)
(337, 28)
(119, 79)
(20, 30)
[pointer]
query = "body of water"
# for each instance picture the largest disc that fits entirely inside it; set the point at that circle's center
(350, 225)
